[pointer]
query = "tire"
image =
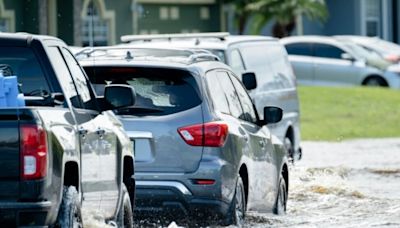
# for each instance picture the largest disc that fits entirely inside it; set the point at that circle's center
(375, 82)
(125, 214)
(69, 215)
(238, 207)
(288, 144)
(281, 198)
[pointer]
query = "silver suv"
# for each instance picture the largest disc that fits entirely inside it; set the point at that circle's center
(201, 149)
(263, 56)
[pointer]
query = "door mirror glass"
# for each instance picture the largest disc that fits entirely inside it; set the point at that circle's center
(119, 96)
(249, 80)
(272, 115)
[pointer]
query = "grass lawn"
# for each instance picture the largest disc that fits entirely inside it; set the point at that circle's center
(332, 113)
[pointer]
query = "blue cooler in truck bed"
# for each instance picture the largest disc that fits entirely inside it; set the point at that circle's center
(9, 95)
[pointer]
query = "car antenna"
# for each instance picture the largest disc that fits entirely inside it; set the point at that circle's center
(128, 55)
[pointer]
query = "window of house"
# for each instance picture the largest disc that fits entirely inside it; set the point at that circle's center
(204, 13)
(94, 28)
(4, 25)
(373, 17)
(164, 13)
(174, 12)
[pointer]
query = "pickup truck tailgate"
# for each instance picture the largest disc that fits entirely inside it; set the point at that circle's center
(9, 154)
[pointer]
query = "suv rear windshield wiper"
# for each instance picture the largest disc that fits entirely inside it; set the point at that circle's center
(137, 110)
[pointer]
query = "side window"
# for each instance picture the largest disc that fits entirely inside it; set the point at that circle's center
(233, 100)
(81, 83)
(299, 49)
(236, 61)
(64, 77)
(327, 51)
(247, 104)
(217, 93)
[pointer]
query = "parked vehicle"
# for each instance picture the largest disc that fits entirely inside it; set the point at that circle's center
(201, 150)
(388, 50)
(263, 56)
(61, 151)
(319, 60)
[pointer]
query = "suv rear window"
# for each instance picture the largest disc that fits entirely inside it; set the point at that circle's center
(158, 91)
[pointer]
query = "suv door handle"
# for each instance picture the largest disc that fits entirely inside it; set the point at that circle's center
(100, 132)
(82, 131)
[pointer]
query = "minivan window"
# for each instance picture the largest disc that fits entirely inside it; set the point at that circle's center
(22, 62)
(327, 51)
(236, 62)
(299, 49)
(158, 91)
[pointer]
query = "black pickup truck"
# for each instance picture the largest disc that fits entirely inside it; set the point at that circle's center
(63, 152)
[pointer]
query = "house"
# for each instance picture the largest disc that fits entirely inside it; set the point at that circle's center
(357, 17)
(102, 22)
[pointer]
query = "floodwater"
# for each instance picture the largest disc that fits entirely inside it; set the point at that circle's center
(342, 184)
(337, 184)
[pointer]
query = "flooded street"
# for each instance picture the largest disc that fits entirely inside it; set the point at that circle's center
(342, 184)
(336, 184)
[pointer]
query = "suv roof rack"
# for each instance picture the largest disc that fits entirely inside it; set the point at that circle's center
(148, 38)
(187, 56)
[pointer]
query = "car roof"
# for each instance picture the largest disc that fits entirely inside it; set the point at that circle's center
(310, 38)
(177, 62)
(216, 42)
(23, 39)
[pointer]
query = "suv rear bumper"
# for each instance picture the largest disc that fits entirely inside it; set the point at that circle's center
(172, 200)
(14, 214)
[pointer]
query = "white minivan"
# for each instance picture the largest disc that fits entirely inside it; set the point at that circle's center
(264, 57)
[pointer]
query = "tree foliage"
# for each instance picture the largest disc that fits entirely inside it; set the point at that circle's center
(282, 12)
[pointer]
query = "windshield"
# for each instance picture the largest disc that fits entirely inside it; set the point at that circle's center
(372, 58)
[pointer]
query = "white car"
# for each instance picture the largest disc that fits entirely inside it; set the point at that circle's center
(321, 60)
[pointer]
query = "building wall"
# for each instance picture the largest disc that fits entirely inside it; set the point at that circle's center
(65, 21)
(189, 20)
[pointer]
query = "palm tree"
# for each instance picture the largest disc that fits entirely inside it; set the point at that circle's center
(242, 12)
(284, 13)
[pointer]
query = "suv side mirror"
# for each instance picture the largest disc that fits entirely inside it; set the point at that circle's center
(249, 80)
(347, 56)
(119, 96)
(272, 115)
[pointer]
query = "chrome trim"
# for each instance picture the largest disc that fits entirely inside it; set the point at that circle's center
(174, 184)
(140, 134)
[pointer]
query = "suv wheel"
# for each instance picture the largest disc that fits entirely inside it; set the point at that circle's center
(69, 215)
(238, 206)
(125, 215)
(281, 198)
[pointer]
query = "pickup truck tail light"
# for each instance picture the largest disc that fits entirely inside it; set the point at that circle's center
(211, 134)
(33, 152)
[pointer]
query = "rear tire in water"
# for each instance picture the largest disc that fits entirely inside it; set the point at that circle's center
(125, 214)
(281, 198)
(69, 215)
(237, 212)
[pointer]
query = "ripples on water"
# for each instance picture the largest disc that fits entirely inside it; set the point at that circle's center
(351, 184)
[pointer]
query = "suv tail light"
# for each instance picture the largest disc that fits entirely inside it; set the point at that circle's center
(211, 134)
(33, 152)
